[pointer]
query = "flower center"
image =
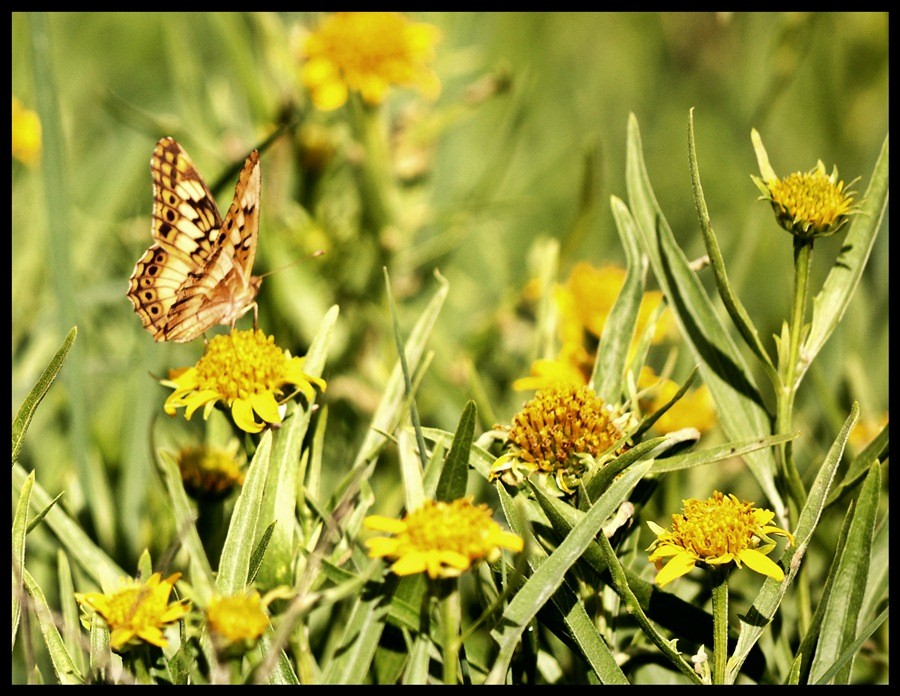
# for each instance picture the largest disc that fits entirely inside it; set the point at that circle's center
(715, 527)
(560, 422)
(458, 526)
(810, 198)
(241, 363)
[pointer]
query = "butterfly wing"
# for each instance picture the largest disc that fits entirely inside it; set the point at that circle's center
(224, 288)
(199, 269)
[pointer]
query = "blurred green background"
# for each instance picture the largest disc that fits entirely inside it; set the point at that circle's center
(526, 141)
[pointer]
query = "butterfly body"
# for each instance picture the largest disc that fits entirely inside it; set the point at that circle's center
(198, 272)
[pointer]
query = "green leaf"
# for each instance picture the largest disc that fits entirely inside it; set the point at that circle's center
(833, 299)
(234, 563)
(80, 547)
(358, 642)
(37, 393)
(717, 453)
(619, 329)
(548, 577)
(259, 552)
(772, 592)
(455, 474)
(20, 522)
(66, 671)
(648, 422)
(731, 301)
(741, 412)
(842, 617)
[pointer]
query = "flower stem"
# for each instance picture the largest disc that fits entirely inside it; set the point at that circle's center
(719, 580)
(785, 405)
(450, 608)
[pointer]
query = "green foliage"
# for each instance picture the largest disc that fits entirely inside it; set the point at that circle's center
(448, 230)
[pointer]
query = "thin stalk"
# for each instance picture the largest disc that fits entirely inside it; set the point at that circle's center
(719, 580)
(450, 608)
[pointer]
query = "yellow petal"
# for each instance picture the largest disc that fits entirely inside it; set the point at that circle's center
(678, 566)
(265, 405)
(762, 564)
(242, 412)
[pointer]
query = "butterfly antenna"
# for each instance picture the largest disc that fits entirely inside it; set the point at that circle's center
(320, 252)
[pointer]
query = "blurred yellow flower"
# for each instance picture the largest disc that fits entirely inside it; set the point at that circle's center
(695, 409)
(367, 52)
(247, 372)
(136, 612)
(441, 539)
(236, 622)
(572, 366)
(865, 431)
(209, 473)
(26, 134)
(715, 532)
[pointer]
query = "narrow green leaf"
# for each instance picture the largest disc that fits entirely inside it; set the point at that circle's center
(621, 323)
(648, 422)
(358, 642)
(717, 453)
(731, 301)
(20, 520)
(37, 393)
(772, 592)
(741, 412)
(41, 514)
(239, 542)
(550, 574)
(833, 299)
(876, 450)
(839, 627)
(66, 671)
(455, 475)
(852, 649)
(71, 623)
(260, 551)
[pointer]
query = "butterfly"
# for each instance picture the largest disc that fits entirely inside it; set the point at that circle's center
(197, 274)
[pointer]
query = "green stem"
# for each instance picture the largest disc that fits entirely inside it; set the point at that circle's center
(785, 406)
(719, 580)
(450, 608)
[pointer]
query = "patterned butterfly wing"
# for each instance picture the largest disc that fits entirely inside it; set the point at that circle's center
(198, 272)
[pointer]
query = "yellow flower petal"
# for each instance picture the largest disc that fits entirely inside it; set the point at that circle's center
(762, 564)
(679, 565)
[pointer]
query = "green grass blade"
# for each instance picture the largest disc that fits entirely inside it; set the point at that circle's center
(29, 406)
(833, 299)
(839, 626)
(741, 412)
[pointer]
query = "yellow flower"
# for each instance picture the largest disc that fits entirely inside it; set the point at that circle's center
(865, 431)
(441, 539)
(716, 532)
(246, 371)
(210, 473)
(236, 622)
(551, 432)
(806, 204)
(695, 409)
(26, 134)
(585, 301)
(572, 366)
(367, 52)
(136, 612)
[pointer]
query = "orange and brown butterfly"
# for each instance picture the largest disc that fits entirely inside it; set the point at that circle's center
(197, 274)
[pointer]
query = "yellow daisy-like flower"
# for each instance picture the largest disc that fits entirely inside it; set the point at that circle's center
(136, 612)
(367, 52)
(210, 473)
(807, 204)
(246, 371)
(550, 432)
(715, 532)
(441, 539)
(695, 409)
(237, 622)
(26, 134)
